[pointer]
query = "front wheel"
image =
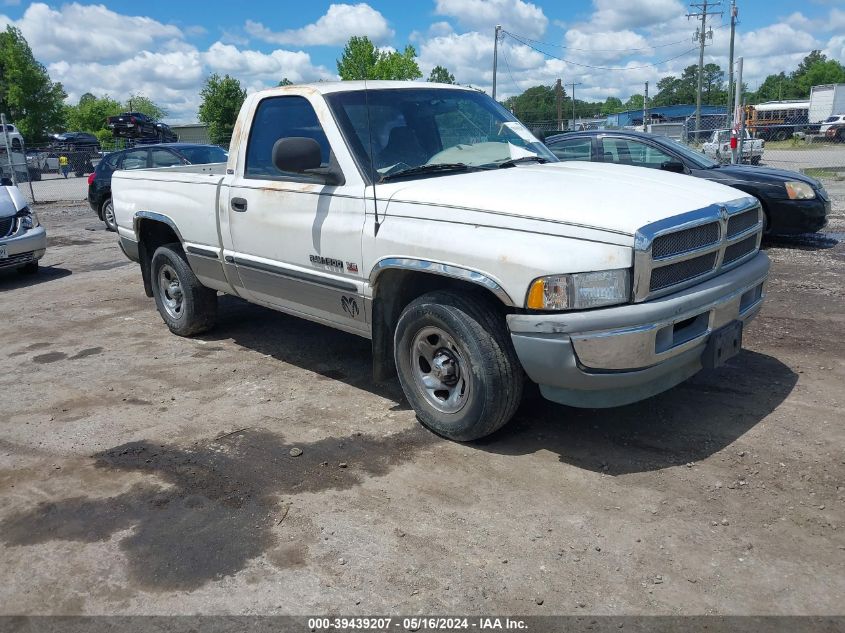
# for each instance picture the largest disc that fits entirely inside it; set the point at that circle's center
(30, 268)
(108, 215)
(755, 160)
(186, 306)
(457, 365)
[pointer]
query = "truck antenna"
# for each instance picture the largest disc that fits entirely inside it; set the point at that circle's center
(372, 163)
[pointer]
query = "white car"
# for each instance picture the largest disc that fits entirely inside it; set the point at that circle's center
(429, 220)
(23, 241)
(719, 147)
(15, 137)
(830, 122)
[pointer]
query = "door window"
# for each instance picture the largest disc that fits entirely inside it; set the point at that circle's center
(628, 152)
(164, 158)
(135, 159)
(282, 117)
(573, 149)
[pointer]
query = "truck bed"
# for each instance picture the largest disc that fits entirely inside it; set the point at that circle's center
(187, 194)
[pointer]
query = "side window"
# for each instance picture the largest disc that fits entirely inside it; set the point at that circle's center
(281, 117)
(573, 149)
(164, 158)
(633, 153)
(135, 159)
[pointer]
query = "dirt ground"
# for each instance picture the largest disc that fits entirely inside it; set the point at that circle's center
(145, 473)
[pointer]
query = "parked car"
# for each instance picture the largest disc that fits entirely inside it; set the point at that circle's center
(40, 162)
(132, 125)
(23, 241)
(81, 149)
(718, 147)
(164, 134)
(15, 137)
(792, 202)
(428, 219)
(143, 157)
(19, 165)
(834, 128)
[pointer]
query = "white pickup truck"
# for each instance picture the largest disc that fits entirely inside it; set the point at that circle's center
(719, 147)
(426, 218)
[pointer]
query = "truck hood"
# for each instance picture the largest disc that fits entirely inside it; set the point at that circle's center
(615, 198)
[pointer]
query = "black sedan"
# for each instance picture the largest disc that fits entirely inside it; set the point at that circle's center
(793, 203)
(142, 157)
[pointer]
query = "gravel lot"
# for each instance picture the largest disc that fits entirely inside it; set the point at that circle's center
(145, 473)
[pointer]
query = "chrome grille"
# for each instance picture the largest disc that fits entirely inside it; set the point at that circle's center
(677, 252)
(682, 271)
(6, 225)
(741, 222)
(739, 249)
(684, 241)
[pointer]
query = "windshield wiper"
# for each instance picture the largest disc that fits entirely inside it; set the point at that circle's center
(522, 159)
(426, 169)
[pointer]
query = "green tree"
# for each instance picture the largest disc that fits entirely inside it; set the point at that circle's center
(612, 105)
(222, 99)
(145, 105)
(713, 85)
(634, 102)
(285, 82)
(362, 60)
(441, 75)
(27, 95)
(820, 72)
(673, 90)
(90, 114)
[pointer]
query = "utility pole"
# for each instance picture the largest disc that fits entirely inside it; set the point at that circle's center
(701, 35)
(645, 109)
(495, 56)
(740, 112)
(734, 14)
(559, 99)
(573, 84)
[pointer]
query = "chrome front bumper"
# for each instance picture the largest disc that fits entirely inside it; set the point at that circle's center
(614, 356)
(24, 248)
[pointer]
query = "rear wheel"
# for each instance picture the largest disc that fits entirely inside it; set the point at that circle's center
(457, 365)
(107, 214)
(186, 306)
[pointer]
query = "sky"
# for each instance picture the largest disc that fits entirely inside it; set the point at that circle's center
(166, 49)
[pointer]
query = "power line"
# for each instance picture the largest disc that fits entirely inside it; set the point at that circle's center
(606, 50)
(568, 61)
(508, 66)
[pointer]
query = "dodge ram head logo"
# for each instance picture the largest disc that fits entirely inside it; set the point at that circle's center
(350, 306)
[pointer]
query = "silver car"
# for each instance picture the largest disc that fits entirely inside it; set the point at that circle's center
(23, 240)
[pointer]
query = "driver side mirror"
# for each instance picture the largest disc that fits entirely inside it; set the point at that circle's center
(675, 166)
(302, 155)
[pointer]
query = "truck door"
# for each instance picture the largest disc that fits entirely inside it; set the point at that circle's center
(296, 242)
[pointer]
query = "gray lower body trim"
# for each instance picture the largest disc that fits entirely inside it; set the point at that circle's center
(209, 270)
(129, 248)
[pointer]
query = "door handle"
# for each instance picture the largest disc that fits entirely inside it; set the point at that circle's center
(238, 204)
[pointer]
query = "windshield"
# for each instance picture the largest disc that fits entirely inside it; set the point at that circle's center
(412, 127)
(697, 158)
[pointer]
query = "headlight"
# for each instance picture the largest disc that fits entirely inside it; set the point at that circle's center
(797, 190)
(579, 291)
(27, 219)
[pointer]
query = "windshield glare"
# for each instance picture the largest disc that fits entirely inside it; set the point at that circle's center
(411, 127)
(699, 159)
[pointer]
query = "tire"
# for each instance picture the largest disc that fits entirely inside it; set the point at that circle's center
(464, 338)
(107, 215)
(755, 160)
(29, 269)
(34, 175)
(185, 305)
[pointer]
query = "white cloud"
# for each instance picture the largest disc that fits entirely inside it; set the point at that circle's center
(273, 66)
(334, 28)
(631, 14)
(88, 32)
(518, 16)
